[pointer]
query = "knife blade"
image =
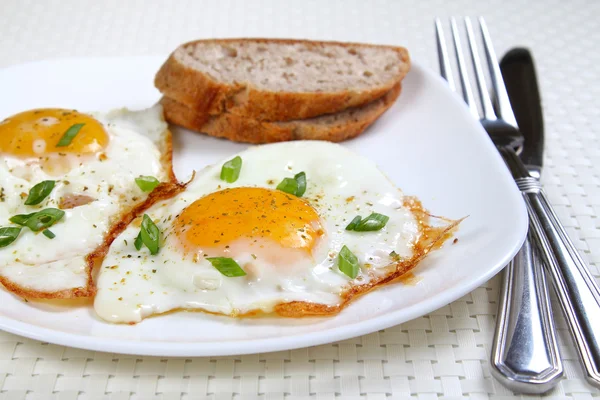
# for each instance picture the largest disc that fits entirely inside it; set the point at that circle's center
(518, 71)
(525, 354)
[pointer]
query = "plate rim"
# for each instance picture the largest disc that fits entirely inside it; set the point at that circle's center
(262, 345)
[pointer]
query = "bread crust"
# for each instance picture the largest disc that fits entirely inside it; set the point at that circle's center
(200, 92)
(240, 129)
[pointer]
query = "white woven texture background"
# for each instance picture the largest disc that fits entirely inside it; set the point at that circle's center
(441, 355)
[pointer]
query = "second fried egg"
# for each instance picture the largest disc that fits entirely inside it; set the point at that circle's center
(287, 246)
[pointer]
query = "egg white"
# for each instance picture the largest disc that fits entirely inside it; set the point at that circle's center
(340, 185)
(39, 264)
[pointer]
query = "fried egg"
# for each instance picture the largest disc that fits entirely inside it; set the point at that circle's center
(89, 163)
(286, 246)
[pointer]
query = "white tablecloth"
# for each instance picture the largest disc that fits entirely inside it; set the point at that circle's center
(441, 355)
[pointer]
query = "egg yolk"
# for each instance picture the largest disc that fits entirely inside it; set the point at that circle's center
(38, 132)
(224, 217)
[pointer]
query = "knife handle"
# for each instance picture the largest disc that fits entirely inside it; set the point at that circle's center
(576, 288)
(577, 291)
(525, 354)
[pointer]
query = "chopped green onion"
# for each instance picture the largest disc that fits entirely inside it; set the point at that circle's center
(230, 172)
(138, 241)
(353, 223)
(295, 186)
(226, 266)
(300, 178)
(373, 222)
(48, 233)
(21, 219)
(39, 220)
(39, 192)
(147, 183)
(8, 235)
(150, 234)
(288, 185)
(44, 219)
(69, 135)
(348, 262)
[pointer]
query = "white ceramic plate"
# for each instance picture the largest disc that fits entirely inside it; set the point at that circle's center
(427, 143)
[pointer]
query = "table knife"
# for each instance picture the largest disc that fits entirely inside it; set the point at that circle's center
(576, 288)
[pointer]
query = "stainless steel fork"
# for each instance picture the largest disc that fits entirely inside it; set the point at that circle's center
(576, 288)
(525, 352)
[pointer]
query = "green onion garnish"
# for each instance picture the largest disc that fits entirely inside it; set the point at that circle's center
(295, 186)
(8, 235)
(348, 262)
(373, 222)
(48, 233)
(39, 220)
(39, 192)
(150, 234)
(230, 172)
(138, 241)
(288, 185)
(69, 135)
(226, 266)
(147, 183)
(21, 219)
(353, 223)
(300, 178)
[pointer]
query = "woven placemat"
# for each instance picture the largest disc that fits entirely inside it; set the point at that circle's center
(441, 355)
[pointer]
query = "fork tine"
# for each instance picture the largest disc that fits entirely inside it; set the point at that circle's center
(462, 71)
(486, 103)
(445, 70)
(504, 107)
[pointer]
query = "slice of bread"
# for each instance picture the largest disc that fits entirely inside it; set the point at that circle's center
(336, 127)
(279, 79)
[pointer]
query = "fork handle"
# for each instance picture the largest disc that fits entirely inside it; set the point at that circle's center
(525, 354)
(575, 286)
